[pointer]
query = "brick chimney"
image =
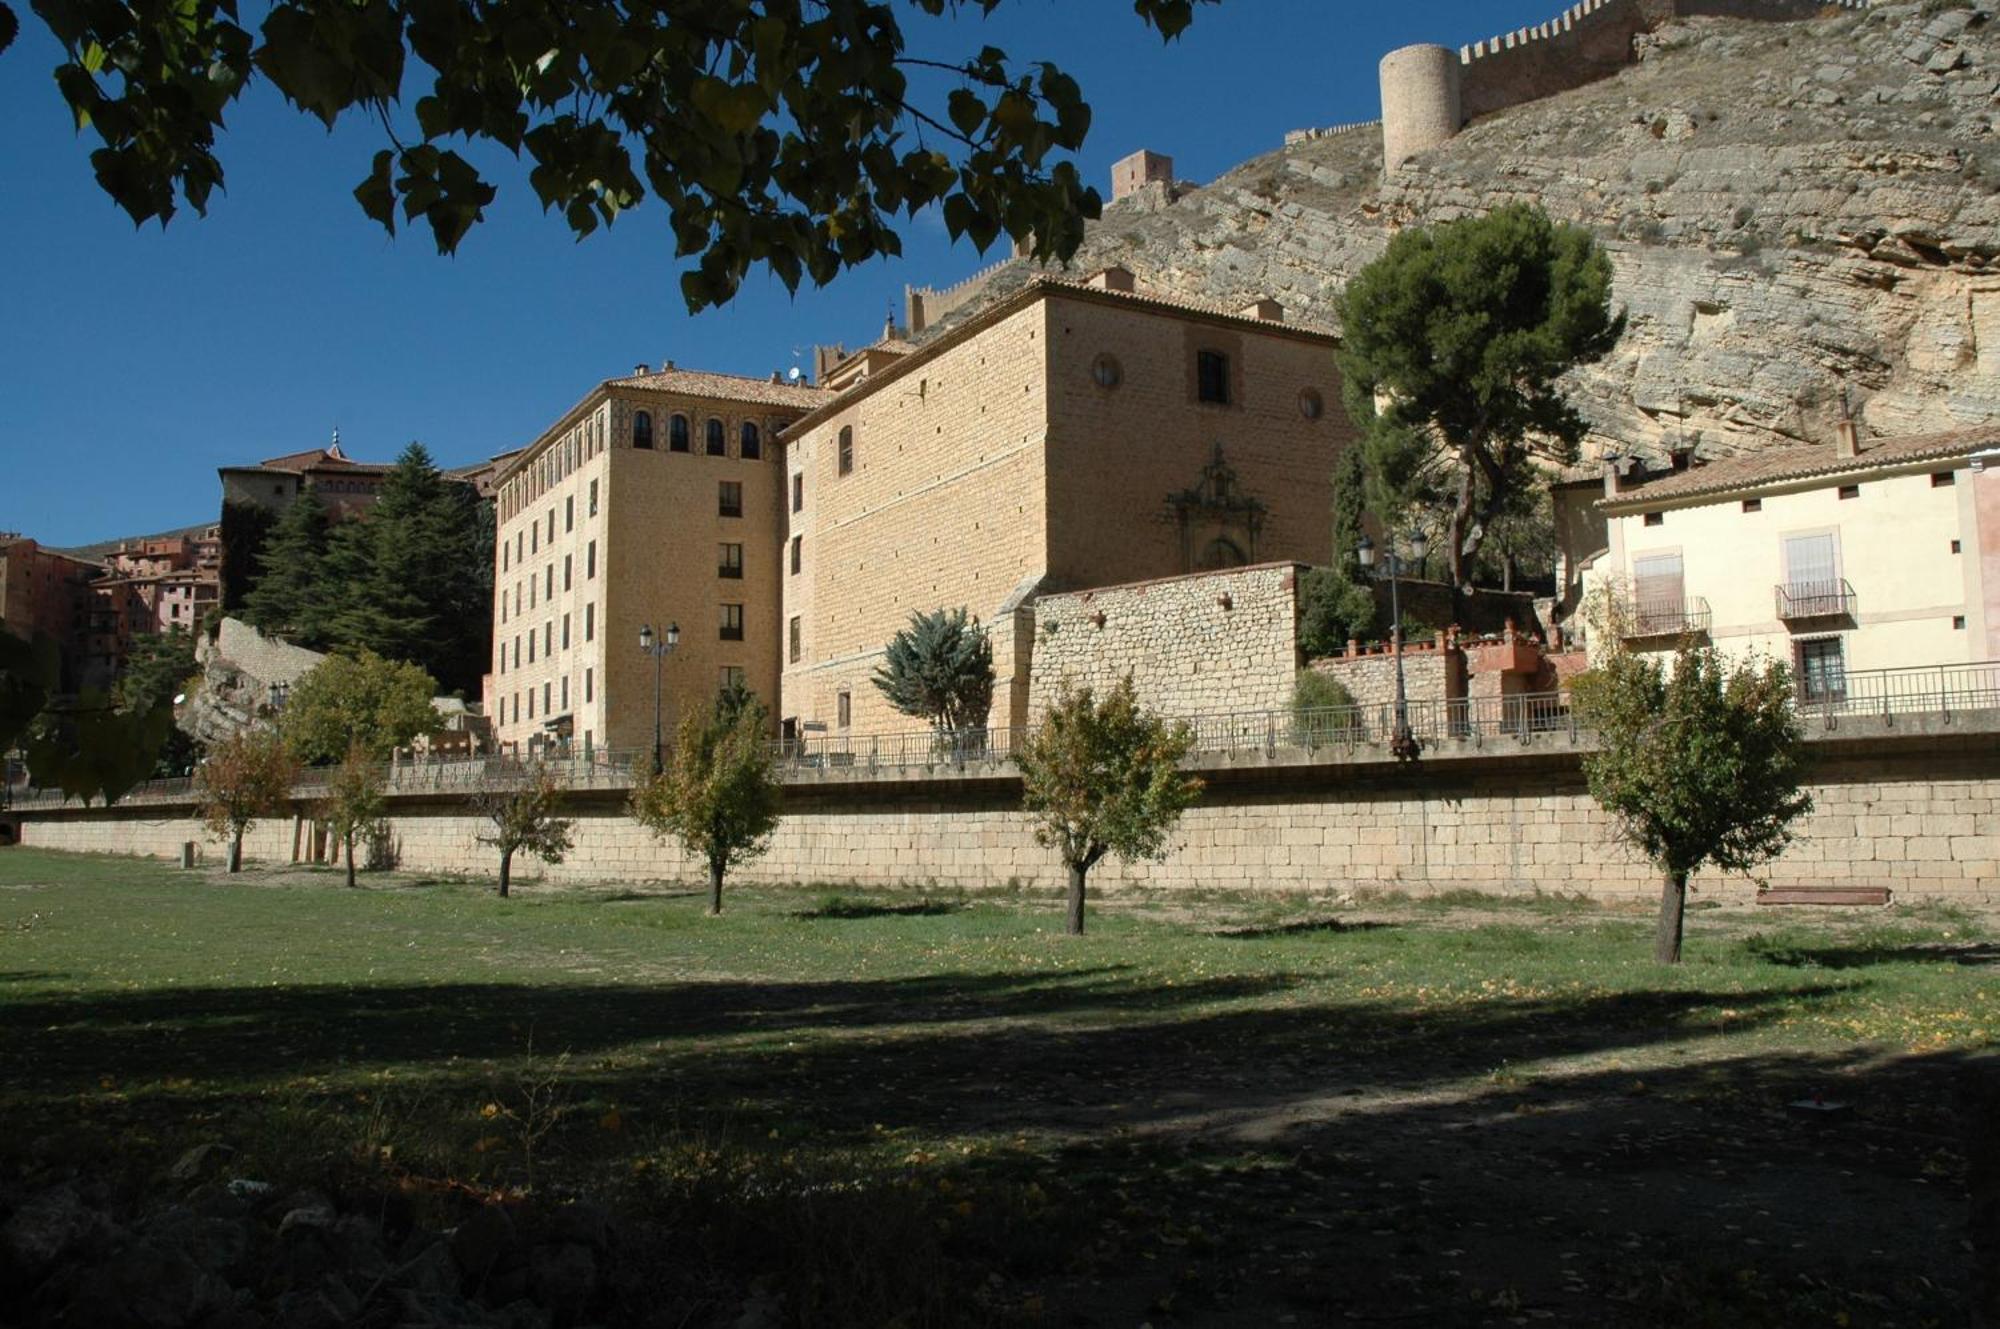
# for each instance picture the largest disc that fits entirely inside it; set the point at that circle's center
(1264, 309)
(1847, 440)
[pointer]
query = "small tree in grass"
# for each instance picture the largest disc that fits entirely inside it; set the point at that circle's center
(719, 795)
(246, 776)
(1104, 777)
(524, 806)
(940, 669)
(1700, 766)
(355, 799)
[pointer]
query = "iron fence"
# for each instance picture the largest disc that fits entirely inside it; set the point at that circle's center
(1522, 718)
(1814, 599)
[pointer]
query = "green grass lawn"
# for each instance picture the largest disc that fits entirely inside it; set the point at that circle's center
(1203, 1112)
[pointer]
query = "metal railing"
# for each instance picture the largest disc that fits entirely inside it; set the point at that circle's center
(1667, 618)
(1523, 718)
(1915, 690)
(1814, 599)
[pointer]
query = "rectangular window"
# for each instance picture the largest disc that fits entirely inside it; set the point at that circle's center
(729, 499)
(565, 631)
(843, 708)
(593, 498)
(1753, 505)
(733, 677)
(1812, 574)
(1656, 519)
(1958, 622)
(1943, 479)
(503, 606)
(531, 648)
(550, 592)
(531, 703)
(565, 691)
(799, 492)
(590, 622)
(546, 708)
(590, 561)
(1211, 377)
(589, 685)
(798, 543)
(566, 570)
(552, 525)
(729, 562)
(517, 546)
(531, 592)
(517, 652)
(847, 449)
(1822, 672)
(1850, 491)
(517, 708)
(732, 622)
(1658, 592)
(549, 637)
(569, 514)
(535, 538)
(793, 642)
(505, 552)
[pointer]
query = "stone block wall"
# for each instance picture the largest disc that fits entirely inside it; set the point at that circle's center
(1918, 821)
(1213, 641)
(1430, 673)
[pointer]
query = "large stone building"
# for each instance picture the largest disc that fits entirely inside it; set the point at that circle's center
(1074, 434)
(46, 592)
(1870, 554)
(656, 500)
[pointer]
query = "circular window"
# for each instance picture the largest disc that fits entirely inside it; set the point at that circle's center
(1106, 371)
(1311, 404)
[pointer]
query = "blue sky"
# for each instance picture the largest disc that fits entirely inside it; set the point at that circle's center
(133, 363)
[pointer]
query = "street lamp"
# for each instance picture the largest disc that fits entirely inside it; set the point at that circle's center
(1404, 744)
(659, 650)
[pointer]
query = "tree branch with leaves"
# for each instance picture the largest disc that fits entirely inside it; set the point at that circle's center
(245, 778)
(523, 803)
(719, 795)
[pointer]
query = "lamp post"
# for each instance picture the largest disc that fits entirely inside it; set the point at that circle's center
(659, 649)
(1404, 745)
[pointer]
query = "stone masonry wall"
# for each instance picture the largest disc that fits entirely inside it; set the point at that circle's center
(1215, 641)
(1922, 824)
(1371, 679)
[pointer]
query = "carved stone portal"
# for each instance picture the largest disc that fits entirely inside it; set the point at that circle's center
(1218, 522)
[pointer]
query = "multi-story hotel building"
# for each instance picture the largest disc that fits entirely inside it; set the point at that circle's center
(1068, 435)
(655, 500)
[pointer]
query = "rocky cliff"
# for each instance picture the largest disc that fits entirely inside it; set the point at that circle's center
(1793, 210)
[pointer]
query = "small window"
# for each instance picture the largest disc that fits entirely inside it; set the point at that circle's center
(569, 514)
(593, 498)
(732, 622)
(1850, 491)
(1656, 519)
(1211, 377)
(729, 499)
(549, 637)
(799, 492)
(531, 703)
(793, 640)
(1954, 547)
(677, 433)
(549, 591)
(843, 706)
(730, 562)
(847, 449)
(506, 555)
(642, 429)
(589, 685)
(590, 561)
(531, 646)
(1958, 622)
(1107, 372)
(565, 691)
(590, 622)
(1753, 505)
(1821, 669)
(733, 677)
(798, 546)
(535, 538)
(1943, 479)
(552, 525)
(546, 708)
(1311, 405)
(567, 565)
(717, 439)
(565, 638)
(750, 442)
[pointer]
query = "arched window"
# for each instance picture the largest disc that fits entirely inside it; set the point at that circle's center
(677, 433)
(846, 449)
(642, 429)
(717, 438)
(752, 442)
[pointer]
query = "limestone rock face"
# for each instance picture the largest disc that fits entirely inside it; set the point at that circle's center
(1792, 210)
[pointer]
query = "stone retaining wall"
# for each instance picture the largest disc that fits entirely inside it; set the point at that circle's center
(1919, 820)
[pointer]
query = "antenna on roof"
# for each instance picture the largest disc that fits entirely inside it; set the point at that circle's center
(334, 447)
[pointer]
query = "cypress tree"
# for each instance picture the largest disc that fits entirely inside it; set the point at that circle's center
(290, 595)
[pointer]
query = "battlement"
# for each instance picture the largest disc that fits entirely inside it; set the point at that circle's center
(1297, 136)
(923, 305)
(1430, 93)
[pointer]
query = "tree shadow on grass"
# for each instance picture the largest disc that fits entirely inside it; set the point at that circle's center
(1834, 954)
(1303, 927)
(842, 908)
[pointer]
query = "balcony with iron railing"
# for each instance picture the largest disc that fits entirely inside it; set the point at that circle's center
(1833, 598)
(1651, 618)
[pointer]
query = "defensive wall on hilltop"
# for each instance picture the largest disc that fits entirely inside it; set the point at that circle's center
(1430, 92)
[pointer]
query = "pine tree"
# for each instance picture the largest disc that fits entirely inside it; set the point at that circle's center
(290, 595)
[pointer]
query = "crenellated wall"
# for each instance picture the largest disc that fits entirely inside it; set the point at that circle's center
(1426, 98)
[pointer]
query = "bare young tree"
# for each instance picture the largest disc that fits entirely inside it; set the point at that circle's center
(524, 803)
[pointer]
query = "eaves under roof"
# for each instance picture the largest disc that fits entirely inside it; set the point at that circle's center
(1790, 467)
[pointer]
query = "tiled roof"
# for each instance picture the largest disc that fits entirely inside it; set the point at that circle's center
(727, 387)
(1781, 465)
(317, 459)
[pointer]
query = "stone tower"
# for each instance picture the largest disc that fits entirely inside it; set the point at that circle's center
(1420, 101)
